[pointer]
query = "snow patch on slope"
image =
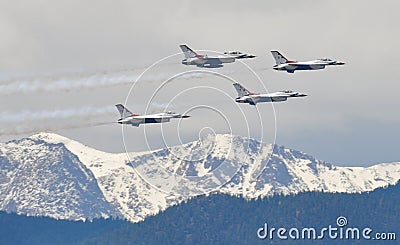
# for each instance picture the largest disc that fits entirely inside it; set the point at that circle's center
(51, 175)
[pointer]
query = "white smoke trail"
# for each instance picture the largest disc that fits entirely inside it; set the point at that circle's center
(25, 129)
(12, 117)
(24, 122)
(85, 82)
(65, 84)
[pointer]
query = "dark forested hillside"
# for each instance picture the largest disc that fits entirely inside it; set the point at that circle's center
(217, 219)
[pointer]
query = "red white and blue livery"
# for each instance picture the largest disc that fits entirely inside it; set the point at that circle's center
(283, 64)
(245, 96)
(135, 120)
(203, 60)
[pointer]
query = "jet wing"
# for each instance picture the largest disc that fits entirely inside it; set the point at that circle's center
(257, 98)
(276, 98)
(213, 60)
(291, 66)
(305, 66)
(137, 120)
(148, 119)
(143, 119)
(268, 98)
(156, 118)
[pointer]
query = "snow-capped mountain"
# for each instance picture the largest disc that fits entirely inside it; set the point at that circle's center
(50, 175)
(42, 179)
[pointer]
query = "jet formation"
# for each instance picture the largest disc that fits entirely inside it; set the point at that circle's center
(244, 95)
(283, 64)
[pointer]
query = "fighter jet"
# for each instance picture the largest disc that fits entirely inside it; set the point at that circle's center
(245, 96)
(128, 117)
(283, 64)
(202, 60)
(239, 55)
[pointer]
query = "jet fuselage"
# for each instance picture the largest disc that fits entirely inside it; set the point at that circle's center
(193, 58)
(128, 117)
(253, 99)
(283, 64)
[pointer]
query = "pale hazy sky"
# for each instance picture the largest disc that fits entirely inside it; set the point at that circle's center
(64, 64)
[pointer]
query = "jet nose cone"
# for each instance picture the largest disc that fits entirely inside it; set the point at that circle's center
(302, 95)
(340, 63)
(185, 116)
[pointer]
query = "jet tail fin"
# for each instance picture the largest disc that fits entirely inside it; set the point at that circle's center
(123, 111)
(242, 91)
(188, 52)
(279, 58)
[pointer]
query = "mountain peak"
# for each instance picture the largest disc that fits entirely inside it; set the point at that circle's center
(47, 169)
(48, 135)
(44, 179)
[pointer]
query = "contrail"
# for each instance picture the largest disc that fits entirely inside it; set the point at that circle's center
(12, 117)
(65, 84)
(24, 122)
(84, 82)
(28, 121)
(29, 129)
